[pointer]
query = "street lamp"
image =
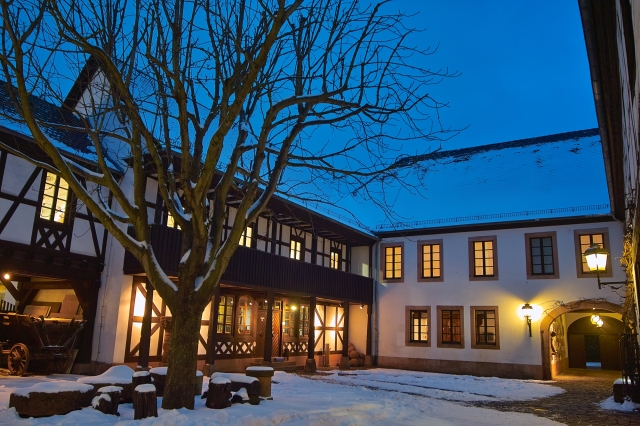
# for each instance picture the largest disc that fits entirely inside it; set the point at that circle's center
(596, 257)
(527, 310)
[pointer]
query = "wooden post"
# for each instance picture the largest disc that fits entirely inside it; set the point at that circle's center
(310, 363)
(209, 368)
(368, 362)
(145, 402)
(314, 248)
(268, 331)
(145, 331)
(344, 361)
(348, 260)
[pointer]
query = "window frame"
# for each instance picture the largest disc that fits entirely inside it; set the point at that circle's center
(442, 344)
(338, 252)
(605, 240)
(472, 264)
(232, 333)
(407, 328)
(475, 345)
(529, 259)
(244, 237)
(383, 264)
(68, 206)
(420, 252)
(295, 238)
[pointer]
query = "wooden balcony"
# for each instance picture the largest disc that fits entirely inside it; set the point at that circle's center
(258, 269)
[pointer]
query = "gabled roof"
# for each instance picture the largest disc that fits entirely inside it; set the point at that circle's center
(57, 117)
(558, 175)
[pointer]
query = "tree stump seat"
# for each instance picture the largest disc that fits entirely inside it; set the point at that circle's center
(51, 398)
(240, 381)
(219, 393)
(107, 400)
(264, 375)
(145, 402)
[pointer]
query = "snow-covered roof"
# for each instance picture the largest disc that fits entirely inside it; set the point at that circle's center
(553, 176)
(55, 116)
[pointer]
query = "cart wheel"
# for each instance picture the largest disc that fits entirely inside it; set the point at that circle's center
(18, 359)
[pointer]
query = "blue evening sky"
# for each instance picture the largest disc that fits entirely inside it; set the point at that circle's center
(524, 68)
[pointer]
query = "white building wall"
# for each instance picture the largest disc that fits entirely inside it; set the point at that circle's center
(510, 292)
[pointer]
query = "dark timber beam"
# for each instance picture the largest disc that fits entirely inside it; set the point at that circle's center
(310, 363)
(268, 332)
(87, 293)
(10, 288)
(145, 331)
(345, 363)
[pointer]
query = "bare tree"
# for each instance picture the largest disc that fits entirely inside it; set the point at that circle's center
(218, 97)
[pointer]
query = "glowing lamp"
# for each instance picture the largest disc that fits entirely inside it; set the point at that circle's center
(527, 311)
(596, 258)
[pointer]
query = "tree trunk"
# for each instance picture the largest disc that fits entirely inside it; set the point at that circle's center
(181, 372)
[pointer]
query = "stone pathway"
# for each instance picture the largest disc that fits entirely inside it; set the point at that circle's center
(585, 389)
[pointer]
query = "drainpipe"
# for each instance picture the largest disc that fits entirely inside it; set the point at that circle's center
(375, 274)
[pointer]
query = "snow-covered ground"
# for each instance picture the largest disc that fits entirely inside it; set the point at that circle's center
(366, 397)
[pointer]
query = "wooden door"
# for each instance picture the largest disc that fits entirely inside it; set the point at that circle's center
(577, 351)
(276, 324)
(610, 352)
(262, 328)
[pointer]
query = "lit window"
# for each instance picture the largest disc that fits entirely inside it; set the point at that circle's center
(171, 222)
(419, 326)
(245, 307)
(54, 199)
(483, 258)
(431, 261)
(303, 325)
(451, 333)
(295, 251)
(245, 239)
(335, 259)
(287, 320)
(225, 315)
(586, 241)
(393, 262)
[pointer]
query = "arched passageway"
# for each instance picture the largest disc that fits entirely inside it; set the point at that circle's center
(593, 346)
(554, 336)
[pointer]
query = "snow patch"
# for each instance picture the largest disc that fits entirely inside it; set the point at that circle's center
(610, 404)
(116, 374)
(53, 387)
(146, 388)
(161, 371)
(234, 377)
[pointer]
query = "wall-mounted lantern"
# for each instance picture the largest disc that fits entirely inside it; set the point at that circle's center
(596, 257)
(527, 311)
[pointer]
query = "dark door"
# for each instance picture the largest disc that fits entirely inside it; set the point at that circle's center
(275, 327)
(610, 352)
(577, 351)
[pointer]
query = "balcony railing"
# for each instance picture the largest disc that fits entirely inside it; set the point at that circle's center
(254, 268)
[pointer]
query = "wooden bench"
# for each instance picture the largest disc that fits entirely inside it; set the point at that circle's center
(239, 381)
(51, 398)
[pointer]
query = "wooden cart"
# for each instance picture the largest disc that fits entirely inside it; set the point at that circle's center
(48, 342)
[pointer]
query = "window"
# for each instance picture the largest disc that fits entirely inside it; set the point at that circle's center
(483, 258)
(288, 326)
(247, 235)
(303, 325)
(225, 315)
(245, 313)
(484, 333)
(392, 261)
(171, 222)
(296, 248)
(419, 326)
(542, 255)
(54, 199)
(430, 260)
(450, 328)
(583, 240)
(335, 258)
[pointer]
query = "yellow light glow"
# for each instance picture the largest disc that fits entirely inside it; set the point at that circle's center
(534, 313)
(595, 319)
(596, 258)
(7, 276)
(294, 307)
(138, 307)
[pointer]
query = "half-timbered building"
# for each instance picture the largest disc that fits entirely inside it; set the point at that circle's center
(298, 287)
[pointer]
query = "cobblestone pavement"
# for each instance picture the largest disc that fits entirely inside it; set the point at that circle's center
(585, 389)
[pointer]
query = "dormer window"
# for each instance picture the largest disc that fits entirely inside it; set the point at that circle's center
(54, 199)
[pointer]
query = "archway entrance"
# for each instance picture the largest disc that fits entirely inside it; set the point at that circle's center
(595, 347)
(555, 339)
